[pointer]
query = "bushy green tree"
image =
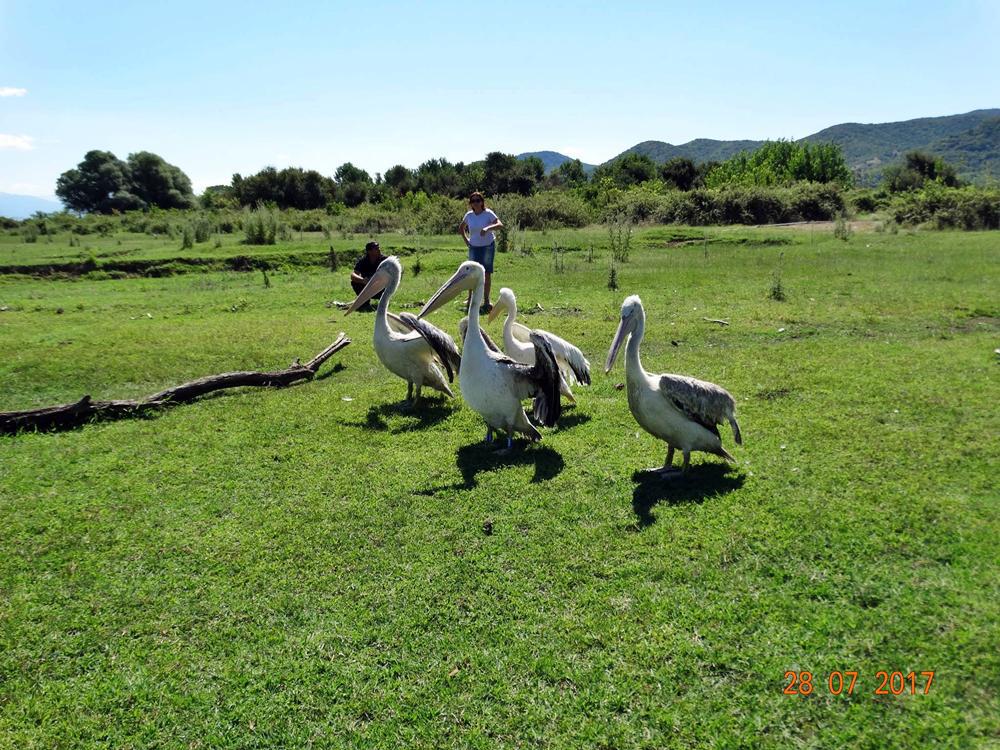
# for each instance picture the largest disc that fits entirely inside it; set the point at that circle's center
(219, 196)
(353, 184)
(103, 183)
(291, 187)
(568, 174)
(505, 173)
(99, 184)
(400, 180)
(680, 172)
(158, 183)
(918, 169)
(783, 162)
(626, 171)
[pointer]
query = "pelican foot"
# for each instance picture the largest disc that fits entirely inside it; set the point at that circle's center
(507, 449)
(666, 472)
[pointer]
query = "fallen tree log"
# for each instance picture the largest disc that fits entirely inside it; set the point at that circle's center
(66, 416)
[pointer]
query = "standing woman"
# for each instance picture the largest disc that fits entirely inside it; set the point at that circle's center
(477, 230)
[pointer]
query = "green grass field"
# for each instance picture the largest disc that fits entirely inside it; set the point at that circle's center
(308, 567)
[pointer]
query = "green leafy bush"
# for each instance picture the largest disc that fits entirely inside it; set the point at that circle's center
(948, 208)
(261, 225)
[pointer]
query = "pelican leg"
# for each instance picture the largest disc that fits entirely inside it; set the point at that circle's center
(509, 448)
(489, 434)
(409, 391)
(417, 399)
(687, 462)
(667, 467)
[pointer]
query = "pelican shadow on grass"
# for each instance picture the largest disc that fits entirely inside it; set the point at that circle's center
(702, 483)
(401, 416)
(479, 458)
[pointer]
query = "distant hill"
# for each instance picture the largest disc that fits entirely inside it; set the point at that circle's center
(22, 206)
(699, 150)
(553, 159)
(970, 141)
(974, 153)
(869, 148)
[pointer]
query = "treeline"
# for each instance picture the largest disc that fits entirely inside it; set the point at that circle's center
(780, 182)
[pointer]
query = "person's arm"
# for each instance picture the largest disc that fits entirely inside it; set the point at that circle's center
(355, 275)
(463, 229)
(497, 224)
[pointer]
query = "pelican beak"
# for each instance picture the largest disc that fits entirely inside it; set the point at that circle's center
(620, 335)
(500, 305)
(375, 285)
(460, 282)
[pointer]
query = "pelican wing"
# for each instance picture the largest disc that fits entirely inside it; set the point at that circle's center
(442, 344)
(701, 401)
(398, 324)
(569, 355)
(521, 332)
(539, 381)
(463, 327)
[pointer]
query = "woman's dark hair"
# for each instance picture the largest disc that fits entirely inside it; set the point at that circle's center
(477, 196)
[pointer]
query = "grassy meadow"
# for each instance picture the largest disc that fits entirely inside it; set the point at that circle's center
(318, 567)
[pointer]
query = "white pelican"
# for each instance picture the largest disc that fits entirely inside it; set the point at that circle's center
(682, 411)
(573, 366)
(420, 353)
(495, 385)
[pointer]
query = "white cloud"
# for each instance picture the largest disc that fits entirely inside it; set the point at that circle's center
(16, 142)
(11, 91)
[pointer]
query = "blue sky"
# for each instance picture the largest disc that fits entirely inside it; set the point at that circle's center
(220, 87)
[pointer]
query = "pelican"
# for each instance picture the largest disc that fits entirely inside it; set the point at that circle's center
(495, 385)
(573, 366)
(680, 410)
(420, 353)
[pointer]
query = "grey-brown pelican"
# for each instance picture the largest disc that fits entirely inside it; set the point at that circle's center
(680, 410)
(573, 366)
(418, 352)
(493, 384)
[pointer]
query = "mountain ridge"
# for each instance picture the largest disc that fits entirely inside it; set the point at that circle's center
(970, 141)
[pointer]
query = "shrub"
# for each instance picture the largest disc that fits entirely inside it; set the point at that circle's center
(967, 208)
(620, 239)
(187, 237)
(202, 227)
(30, 232)
(261, 225)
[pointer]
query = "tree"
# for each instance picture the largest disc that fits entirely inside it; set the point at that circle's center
(400, 180)
(438, 177)
(783, 162)
(103, 183)
(569, 173)
(353, 184)
(99, 184)
(680, 172)
(292, 187)
(628, 170)
(505, 173)
(919, 168)
(219, 196)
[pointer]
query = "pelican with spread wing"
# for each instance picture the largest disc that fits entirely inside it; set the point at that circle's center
(493, 384)
(573, 366)
(418, 352)
(680, 410)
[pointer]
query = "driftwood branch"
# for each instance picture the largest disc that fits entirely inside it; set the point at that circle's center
(716, 320)
(85, 410)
